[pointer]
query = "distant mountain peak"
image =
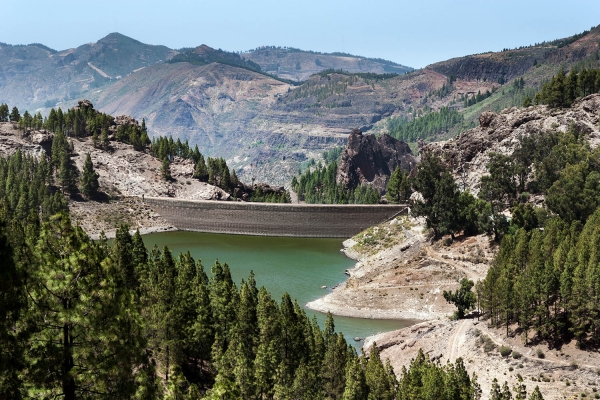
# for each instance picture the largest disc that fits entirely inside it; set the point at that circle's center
(116, 37)
(203, 49)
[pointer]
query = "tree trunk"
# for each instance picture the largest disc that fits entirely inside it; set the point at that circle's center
(68, 384)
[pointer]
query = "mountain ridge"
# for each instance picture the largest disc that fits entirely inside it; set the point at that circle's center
(257, 121)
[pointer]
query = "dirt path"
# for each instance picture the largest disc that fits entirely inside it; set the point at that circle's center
(472, 275)
(456, 340)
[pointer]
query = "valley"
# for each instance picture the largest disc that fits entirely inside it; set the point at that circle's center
(496, 186)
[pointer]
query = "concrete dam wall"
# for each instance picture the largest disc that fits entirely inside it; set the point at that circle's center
(268, 219)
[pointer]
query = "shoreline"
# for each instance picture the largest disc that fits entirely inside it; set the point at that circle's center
(143, 231)
(337, 303)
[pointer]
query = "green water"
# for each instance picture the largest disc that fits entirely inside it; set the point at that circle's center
(300, 266)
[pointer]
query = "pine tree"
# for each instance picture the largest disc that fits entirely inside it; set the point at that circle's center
(398, 188)
(165, 169)
(14, 115)
(13, 304)
(463, 298)
(145, 140)
(536, 394)
(201, 172)
(356, 381)
(77, 347)
(267, 355)
(377, 377)
(66, 174)
(3, 112)
(104, 142)
(89, 179)
(439, 204)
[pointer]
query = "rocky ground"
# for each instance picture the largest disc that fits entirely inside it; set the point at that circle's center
(96, 217)
(400, 274)
(125, 175)
(468, 153)
(566, 373)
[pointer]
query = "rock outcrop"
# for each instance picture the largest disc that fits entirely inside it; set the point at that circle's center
(371, 160)
(468, 153)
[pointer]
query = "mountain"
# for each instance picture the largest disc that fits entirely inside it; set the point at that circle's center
(268, 127)
(257, 121)
(35, 76)
(299, 65)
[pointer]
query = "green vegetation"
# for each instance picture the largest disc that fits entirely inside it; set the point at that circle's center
(85, 320)
(545, 280)
(319, 186)
(476, 98)
(429, 125)
(398, 187)
(445, 208)
(89, 179)
(323, 88)
(464, 299)
(214, 55)
(4, 112)
(367, 76)
(562, 90)
(427, 380)
(333, 155)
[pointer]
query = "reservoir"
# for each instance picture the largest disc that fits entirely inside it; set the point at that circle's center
(299, 266)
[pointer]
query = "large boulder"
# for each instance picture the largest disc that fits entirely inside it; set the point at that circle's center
(371, 160)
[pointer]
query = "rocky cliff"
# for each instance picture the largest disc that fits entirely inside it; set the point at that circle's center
(371, 160)
(468, 153)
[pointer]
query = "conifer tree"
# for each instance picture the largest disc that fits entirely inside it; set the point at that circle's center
(14, 115)
(13, 304)
(89, 178)
(76, 347)
(3, 112)
(104, 142)
(165, 169)
(356, 382)
(201, 172)
(398, 187)
(536, 394)
(463, 298)
(66, 174)
(267, 355)
(377, 378)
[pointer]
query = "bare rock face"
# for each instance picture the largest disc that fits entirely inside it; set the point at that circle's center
(468, 153)
(125, 120)
(84, 105)
(371, 160)
(486, 118)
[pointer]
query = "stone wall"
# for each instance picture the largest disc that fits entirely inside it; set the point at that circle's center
(267, 219)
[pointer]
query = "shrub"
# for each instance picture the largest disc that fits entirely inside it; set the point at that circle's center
(487, 343)
(540, 353)
(505, 351)
(516, 355)
(573, 365)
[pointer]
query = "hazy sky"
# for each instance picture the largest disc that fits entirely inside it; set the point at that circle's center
(413, 33)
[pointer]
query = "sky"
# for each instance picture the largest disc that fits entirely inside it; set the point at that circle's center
(413, 33)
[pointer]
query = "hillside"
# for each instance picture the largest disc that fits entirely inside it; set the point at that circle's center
(267, 128)
(299, 65)
(34, 76)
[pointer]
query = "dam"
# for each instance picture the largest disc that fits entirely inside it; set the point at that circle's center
(273, 219)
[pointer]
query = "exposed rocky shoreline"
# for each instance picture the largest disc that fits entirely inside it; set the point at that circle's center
(405, 279)
(401, 276)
